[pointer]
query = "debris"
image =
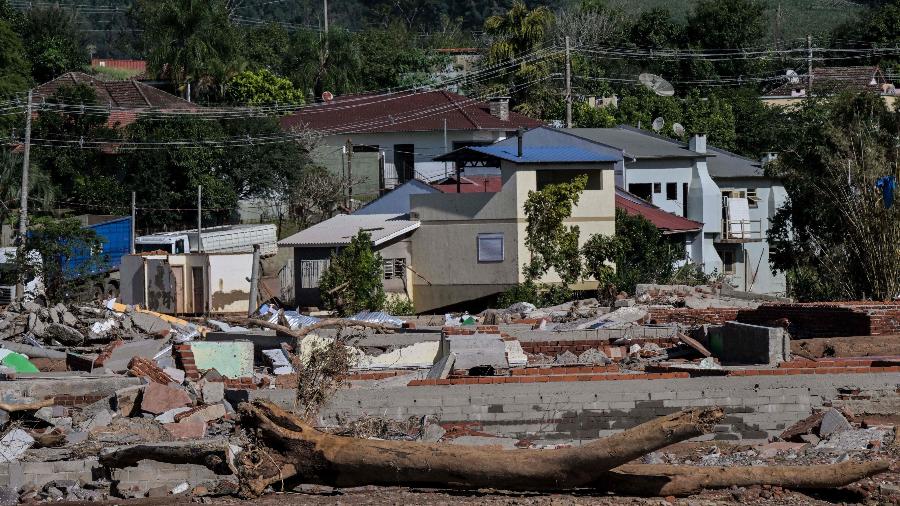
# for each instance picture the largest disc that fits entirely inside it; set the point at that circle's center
(233, 359)
(593, 356)
(832, 422)
(281, 364)
(14, 444)
(64, 334)
(693, 343)
(158, 399)
(16, 361)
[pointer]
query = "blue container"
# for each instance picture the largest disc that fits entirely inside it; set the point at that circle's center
(116, 237)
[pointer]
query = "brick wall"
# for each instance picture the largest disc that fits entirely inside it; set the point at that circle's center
(686, 316)
(580, 346)
(828, 319)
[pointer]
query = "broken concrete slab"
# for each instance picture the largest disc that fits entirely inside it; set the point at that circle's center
(65, 334)
(121, 355)
(169, 416)
(149, 323)
(281, 364)
(191, 428)
(443, 367)
(833, 422)
(478, 350)
(158, 399)
(212, 392)
(232, 359)
(206, 414)
(14, 444)
(127, 400)
(176, 374)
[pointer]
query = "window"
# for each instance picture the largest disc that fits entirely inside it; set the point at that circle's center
(405, 162)
(642, 190)
(557, 176)
(657, 187)
(727, 261)
(394, 268)
(752, 198)
(671, 191)
(311, 271)
(490, 248)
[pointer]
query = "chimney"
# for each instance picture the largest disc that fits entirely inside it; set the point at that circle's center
(520, 133)
(697, 143)
(500, 108)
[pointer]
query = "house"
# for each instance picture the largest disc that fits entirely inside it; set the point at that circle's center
(313, 247)
(729, 194)
(472, 245)
(405, 131)
(831, 80)
(676, 228)
(124, 100)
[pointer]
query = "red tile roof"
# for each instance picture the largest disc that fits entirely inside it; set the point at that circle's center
(471, 184)
(665, 221)
(133, 95)
(833, 79)
(421, 111)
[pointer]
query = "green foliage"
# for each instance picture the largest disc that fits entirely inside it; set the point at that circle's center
(15, 70)
(394, 58)
(541, 295)
(261, 87)
(552, 244)
(399, 306)
(837, 240)
(639, 251)
(56, 242)
(53, 42)
(352, 281)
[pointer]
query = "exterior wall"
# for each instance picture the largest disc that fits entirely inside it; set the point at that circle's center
(889, 100)
(229, 289)
(445, 249)
(705, 206)
(669, 170)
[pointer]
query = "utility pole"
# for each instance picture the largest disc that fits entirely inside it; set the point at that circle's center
(23, 206)
(133, 216)
(445, 147)
(254, 282)
(568, 84)
(326, 16)
(809, 68)
(349, 175)
(199, 219)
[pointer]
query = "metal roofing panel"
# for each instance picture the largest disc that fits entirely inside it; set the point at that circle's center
(637, 143)
(543, 154)
(729, 165)
(339, 230)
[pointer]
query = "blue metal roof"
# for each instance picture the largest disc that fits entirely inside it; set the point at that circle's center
(545, 154)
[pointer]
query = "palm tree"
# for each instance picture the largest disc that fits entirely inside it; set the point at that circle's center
(514, 35)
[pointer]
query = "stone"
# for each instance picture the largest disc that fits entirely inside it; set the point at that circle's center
(54, 315)
(65, 334)
(150, 324)
(4, 418)
(169, 416)
(593, 356)
(76, 437)
(212, 392)
(180, 488)
(566, 358)
(158, 399)
(69, 319)
(98, 419)
(191, 428)
(624, 303)
(771, 450)
(810, 439)
(432, 432)
(175, 373)
(127, 399)
(832, 422)
(157, 492)
(45, 414)
(14, 444)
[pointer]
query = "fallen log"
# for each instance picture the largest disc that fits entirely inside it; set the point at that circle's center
(288, 447)
(212, 453)
(301, 333)
(11, 407)
(664, 480)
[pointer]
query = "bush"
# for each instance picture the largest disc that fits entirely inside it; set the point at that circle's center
(399, 306)
(352, 282)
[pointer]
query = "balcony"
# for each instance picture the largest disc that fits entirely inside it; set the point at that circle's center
(740, 231)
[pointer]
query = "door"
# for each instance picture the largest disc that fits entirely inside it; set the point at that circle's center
(178, 283)
(199, 284)
(404, 162)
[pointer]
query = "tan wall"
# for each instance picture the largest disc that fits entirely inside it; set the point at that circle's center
(890, 100)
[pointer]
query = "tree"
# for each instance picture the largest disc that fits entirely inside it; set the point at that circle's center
(190, 41)
(265, 47)
(836, 238)
(57, 242)
(53, 43)
(728, 24)
(15, 70)
(261, 87)
(552, 244)
(641, 254)
(394, 58)
(324, 62)
(352, 281)
(42, 192)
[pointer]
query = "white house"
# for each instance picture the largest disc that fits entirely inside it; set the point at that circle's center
(726, 192)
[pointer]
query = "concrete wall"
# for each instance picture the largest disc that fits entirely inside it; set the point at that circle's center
(19, 475)
(229, 288)
(740, 343)
(757, 407)
(668, 170)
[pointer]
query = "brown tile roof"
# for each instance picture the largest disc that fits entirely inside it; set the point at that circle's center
(133, 95)
(422, 111)
(834, 79)
(666, 222)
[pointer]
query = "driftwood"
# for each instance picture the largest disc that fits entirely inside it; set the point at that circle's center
(26, 406)
(291, 448)
(300, 333)
(213, 454)
(665, 480)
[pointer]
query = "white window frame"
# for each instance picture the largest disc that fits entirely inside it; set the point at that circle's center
(491, 236)
(393, 268)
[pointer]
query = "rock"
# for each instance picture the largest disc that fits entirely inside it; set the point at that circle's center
(175, 373)
(832, 422)
(127, 399)
(14, 444)
(98, 419)
(593, 356)
(432, 432)
(169, 416)
(54, 315)
(45, 414)
(624, 303)
(810, 439)
(68, 318)
(4, 418)
(191, 428)
(212, 392)
(65, 334)
(566, 358)
(158, 399)
(76, 437)
(31, 307)
(157, 492)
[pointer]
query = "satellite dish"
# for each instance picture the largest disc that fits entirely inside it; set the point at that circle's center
(658, 124)
(792, 76)
(656, 83)
(327, 96)
(678, 128)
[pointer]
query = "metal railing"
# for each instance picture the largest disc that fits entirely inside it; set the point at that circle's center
(742, 230)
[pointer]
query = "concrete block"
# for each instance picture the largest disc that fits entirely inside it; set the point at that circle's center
(158, 399)
(740, 343)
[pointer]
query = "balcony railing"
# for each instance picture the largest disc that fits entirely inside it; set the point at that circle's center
(737, 231)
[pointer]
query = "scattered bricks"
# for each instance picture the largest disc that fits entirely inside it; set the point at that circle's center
(192, 428)
(107, 352)
(158, 399)
(184, 358)
(145, 368)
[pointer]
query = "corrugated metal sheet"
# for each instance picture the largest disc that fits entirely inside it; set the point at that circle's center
(339, 230)
(377, 317)
(295, 319)
(544, 154)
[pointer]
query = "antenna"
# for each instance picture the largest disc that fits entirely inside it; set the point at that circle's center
(656, 83)
(658, 124)
(792, 76)
(678, 128)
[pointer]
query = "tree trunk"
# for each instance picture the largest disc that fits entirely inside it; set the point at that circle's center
(301, 333)
(664, 480)
(290, 447)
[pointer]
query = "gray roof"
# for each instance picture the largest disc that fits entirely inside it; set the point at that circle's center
(637, 143)
(338, 231)
(729, 165)
(396, 201)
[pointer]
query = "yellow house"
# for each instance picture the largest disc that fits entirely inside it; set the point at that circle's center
(472, 245)
(830, 80)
